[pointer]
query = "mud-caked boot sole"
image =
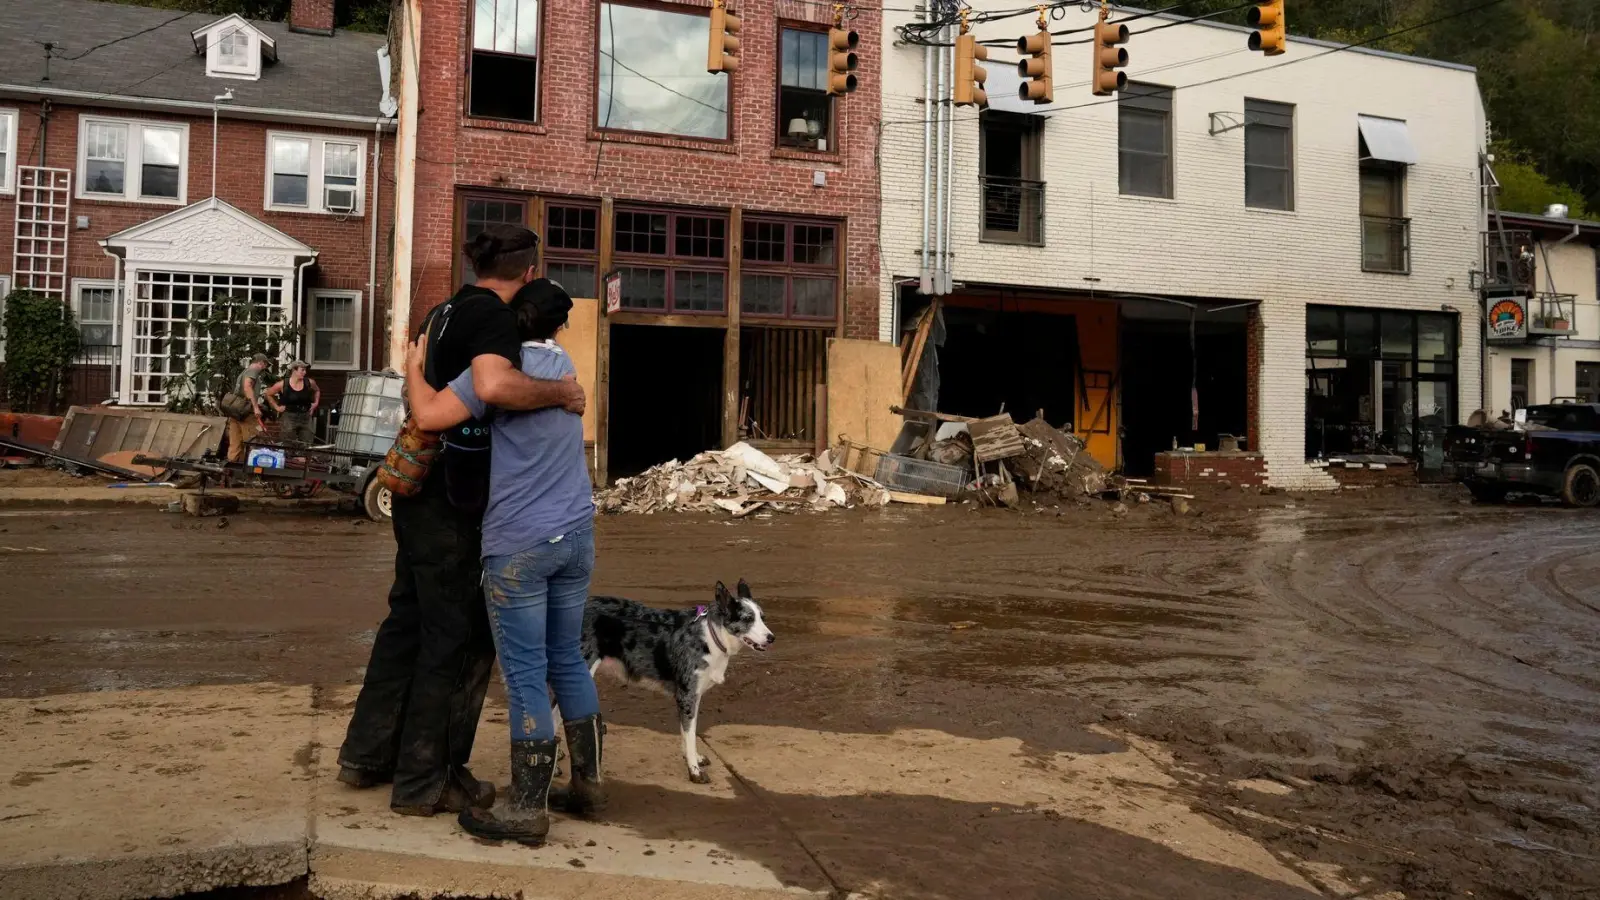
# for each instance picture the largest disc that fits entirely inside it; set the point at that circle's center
(530, 830)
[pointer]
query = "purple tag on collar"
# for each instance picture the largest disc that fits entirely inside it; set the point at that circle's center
(700, 612)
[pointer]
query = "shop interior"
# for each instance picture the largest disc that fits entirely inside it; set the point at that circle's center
(666, 395)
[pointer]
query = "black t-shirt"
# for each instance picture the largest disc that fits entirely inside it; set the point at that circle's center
(473, 323)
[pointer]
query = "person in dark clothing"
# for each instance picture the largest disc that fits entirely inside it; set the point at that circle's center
(417, 713)
(296, 399)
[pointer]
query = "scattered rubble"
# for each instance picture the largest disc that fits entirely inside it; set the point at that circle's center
(742, 480)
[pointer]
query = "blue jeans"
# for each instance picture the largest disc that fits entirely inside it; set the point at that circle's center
(535, 600)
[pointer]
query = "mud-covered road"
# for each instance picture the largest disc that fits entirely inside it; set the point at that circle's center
(1422, 676)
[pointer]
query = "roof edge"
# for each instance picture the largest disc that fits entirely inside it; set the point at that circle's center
(1315, 42)
(231, 111)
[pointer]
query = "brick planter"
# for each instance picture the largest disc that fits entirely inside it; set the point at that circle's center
(1236, 468)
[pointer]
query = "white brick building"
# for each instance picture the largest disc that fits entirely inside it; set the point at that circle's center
(1061, 230)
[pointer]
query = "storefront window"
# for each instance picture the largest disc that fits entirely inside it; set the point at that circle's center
(1379, 383)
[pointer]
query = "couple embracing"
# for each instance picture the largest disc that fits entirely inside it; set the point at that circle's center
(509, 501)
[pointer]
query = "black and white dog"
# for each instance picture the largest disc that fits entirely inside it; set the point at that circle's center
(684, 652)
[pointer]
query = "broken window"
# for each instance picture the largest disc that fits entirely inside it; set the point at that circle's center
(790, 269)
(1008, 157)
(504, 68)
(805, 108)
(1268, 155)
(1144, 140)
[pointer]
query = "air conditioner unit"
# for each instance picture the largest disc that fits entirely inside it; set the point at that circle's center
(339, 199)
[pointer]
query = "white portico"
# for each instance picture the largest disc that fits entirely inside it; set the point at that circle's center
(172, 267)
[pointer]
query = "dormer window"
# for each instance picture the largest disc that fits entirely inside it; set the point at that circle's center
(234, 48)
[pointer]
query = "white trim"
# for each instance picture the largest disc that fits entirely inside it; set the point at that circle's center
(132, 160)
(355, 333)
(250, 69)
(315, 183)
(5, 288)
(8, 146)
(231, 111)
(76, 303)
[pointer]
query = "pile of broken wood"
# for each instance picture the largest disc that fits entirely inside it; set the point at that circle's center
(1007, 460)
(742, 480)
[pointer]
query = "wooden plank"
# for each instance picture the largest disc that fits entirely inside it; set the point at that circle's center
(995, 438)
(925, 416)
(672, 320)
(919, 499)
(918, 344)
(601, 401)
(863, 380)
(731, 349)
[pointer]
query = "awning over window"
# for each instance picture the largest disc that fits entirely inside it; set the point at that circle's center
(1002, 88)
(1386, 140)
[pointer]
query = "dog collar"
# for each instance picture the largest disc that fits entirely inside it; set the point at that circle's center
(700, 612)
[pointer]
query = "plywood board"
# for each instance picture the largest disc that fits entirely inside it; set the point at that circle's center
(863, 382)
(580, 340)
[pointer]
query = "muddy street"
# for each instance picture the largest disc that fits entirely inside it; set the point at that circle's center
(1400, 688)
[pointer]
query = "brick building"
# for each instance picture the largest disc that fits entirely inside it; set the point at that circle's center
(739, 210)
(1279, 250)
(110, 202)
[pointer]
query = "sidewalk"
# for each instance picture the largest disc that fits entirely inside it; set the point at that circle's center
(160, 793)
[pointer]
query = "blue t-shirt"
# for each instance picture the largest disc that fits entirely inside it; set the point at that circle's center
(539, 485)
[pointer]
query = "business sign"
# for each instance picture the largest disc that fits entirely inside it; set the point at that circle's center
(1507, 321)
(613, 293)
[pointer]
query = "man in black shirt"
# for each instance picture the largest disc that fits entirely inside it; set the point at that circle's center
(417, 714)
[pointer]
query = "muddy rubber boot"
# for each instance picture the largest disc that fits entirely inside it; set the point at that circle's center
(523, 815)
(586, 794)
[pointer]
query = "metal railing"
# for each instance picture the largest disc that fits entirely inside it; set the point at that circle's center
(1386, 244)
(1553, 314)
(1508, 260)
(1013, 210)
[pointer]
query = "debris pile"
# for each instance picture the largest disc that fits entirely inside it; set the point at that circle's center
(741, 480)
(1004, 460)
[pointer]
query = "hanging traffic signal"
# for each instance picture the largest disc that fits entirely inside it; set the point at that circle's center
(1266, 17)
(723, 53)
(1108, 57)
(842, 60)
(969, 75)
(1037, 67)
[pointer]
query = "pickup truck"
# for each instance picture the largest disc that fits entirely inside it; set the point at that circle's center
(1555, 453)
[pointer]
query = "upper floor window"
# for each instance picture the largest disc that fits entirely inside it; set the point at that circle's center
(504, 68)
(131, 160)
(789, 269)
(1385, 231)
(1009, 149)
(306, 173)
(1268, 155)
(8, 150)
(672, 261)
(234, 48)
(650, 81)
(1144, 140)
(805, 108)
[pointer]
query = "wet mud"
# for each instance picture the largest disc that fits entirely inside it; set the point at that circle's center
(1420, 676)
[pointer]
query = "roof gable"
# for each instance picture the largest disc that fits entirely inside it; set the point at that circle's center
(210, 232)
(206, 35)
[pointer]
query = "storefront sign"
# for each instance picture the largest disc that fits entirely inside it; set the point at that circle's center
(613, 293)
(1508, 320)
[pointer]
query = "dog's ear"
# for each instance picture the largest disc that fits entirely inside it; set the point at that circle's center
(744, 589)
(723, 596)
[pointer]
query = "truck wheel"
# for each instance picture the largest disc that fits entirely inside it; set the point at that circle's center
(376, 500)
(1487, 493)
(1581, 486)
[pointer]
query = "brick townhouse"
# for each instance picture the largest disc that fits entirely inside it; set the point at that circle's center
(110, 200)
(739, 209)
(1274, 251)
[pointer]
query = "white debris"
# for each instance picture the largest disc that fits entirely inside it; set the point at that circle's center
(741, 480)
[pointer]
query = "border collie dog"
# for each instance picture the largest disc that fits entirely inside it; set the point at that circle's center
(684, 652)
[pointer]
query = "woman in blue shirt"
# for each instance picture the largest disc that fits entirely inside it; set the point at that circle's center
(538, 553)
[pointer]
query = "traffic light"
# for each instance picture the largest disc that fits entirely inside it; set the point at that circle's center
(1036, 68)
(723, 53)
(969, 75)
(842, 60)
(1108, 58)
(1266, 17)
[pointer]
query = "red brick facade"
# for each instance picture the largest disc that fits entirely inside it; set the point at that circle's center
(343, 244)
(1227, 468)
(565, 155)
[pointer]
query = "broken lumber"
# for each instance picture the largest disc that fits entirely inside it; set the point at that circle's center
(919, 499)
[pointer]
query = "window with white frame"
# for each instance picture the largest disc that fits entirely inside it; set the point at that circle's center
(131, 160)
(315, 174)
(335, 329)
(94, 303)
(8, 150)
(164, 306)
(233, 51)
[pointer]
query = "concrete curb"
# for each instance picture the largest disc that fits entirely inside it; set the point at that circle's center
(159, 875)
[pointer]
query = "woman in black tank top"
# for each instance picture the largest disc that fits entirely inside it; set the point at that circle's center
(296, 399)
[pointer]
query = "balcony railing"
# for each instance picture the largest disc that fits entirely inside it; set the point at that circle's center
(1508, 261)
(1551, 314)
(1013, 210)
(1386, 244)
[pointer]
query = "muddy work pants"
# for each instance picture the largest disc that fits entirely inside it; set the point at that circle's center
(418, 709)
